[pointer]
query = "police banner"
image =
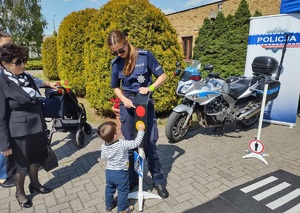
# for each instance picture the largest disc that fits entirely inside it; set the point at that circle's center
(267, 36)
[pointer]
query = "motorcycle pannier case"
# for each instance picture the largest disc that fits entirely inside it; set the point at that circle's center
(273, 90)
(264, 65)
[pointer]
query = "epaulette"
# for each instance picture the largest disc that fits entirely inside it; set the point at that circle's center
(143, 52)
(115, 60)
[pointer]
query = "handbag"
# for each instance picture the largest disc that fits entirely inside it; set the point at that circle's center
(51, 161)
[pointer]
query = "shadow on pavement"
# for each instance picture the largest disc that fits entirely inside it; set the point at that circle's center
(230, 130)
(78, 167)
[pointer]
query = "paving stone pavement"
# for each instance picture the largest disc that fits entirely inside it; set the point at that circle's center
(197, 168)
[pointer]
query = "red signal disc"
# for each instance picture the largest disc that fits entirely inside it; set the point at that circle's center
(140, 111)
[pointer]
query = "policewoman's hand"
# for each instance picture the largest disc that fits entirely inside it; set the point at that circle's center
(144, 90)
(127, 102)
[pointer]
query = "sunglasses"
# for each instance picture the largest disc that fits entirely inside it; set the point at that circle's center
(19, 62)
(120, 51)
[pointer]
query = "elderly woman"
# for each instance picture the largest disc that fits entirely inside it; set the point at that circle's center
(23, 139)
(6, 177)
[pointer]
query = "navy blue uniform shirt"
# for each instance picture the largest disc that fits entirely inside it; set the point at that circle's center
(145, 66)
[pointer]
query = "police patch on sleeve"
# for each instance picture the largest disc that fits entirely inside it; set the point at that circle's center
(143, 52)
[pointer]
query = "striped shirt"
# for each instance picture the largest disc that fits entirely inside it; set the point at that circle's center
(116, 154)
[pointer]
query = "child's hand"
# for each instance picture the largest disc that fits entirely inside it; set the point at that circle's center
(140, 126)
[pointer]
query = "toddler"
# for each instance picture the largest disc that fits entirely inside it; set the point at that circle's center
(115, 152)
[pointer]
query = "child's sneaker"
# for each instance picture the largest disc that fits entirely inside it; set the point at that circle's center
(108, 209)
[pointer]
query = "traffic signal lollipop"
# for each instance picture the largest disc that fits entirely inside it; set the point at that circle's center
(140, 116)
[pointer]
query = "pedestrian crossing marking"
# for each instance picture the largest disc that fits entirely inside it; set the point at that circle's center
(276, 192)
(271, 191)
(295, 209)
(259, 184)
(280, 201)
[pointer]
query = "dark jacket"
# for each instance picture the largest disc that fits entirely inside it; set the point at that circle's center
(20, 114)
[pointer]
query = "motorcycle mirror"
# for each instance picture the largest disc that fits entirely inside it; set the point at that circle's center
(208, 67)
(177, 72)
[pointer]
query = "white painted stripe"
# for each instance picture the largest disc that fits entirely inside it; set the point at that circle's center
(295, 209)
(271, 191)
(258, 184)
(281, 201)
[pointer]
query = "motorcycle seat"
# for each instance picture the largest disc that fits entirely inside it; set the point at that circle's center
(238, 87)
(231, 79)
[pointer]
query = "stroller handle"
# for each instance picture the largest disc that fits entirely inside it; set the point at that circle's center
(59, 91)
(60, 87)
(57, 86)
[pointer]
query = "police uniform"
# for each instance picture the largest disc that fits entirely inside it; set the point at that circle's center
(145, 66)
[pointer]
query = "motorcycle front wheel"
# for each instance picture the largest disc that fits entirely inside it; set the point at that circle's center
(174, 127)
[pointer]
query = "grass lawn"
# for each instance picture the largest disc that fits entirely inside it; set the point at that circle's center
(91, 114)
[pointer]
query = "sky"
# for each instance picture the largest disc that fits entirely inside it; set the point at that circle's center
(54, 11)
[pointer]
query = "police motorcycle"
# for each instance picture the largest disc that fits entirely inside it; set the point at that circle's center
(215, 102)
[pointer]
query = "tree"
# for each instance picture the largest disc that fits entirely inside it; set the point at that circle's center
(24, 21)
(147, 28)
(223, 42)
(49, 59)
(237, 39)
(204, 38)
(70, 46)
(257, 13)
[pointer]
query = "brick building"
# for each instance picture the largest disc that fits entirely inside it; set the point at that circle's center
(188, 22)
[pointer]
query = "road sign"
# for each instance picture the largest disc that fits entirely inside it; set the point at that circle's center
(138, 164)
(256, 146)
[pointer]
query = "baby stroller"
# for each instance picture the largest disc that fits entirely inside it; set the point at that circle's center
(66, 114)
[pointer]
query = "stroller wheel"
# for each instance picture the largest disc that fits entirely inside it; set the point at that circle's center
(87, 128)
(80, 139)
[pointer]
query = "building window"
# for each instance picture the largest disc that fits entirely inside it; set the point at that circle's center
(219, 7)
(187, 43)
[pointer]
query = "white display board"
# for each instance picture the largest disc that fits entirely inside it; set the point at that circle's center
(267, 38)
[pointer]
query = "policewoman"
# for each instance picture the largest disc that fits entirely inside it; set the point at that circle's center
(132, 71)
